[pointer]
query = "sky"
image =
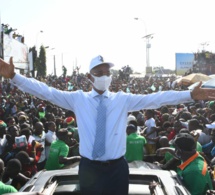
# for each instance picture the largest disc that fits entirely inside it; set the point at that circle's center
(78, 30)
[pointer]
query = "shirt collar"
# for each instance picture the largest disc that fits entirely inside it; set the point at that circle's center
(93, 93)
(188, 161)
(51, 131)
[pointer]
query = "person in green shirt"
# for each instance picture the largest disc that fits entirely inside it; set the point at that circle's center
(59, 150)
(135, 144)
(193, 170)
(4, 189)
(170, 161)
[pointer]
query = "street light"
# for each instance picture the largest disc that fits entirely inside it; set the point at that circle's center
(148, 45)
(143, 23)
(54, 67)
(203, 45)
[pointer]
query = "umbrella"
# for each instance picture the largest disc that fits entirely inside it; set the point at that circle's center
(209, 84)
(193, 78)
(212, 76)
(193, 85)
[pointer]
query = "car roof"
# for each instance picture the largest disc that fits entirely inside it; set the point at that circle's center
(141, 174)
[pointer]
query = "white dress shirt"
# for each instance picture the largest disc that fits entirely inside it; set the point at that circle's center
(84, 105)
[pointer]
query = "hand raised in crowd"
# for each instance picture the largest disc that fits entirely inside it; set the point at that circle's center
(7, 69)
(199, 93)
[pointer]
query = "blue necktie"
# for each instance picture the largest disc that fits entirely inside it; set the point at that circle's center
(99, 143)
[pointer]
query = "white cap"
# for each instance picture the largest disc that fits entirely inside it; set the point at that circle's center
(98, 61)
(131, 118)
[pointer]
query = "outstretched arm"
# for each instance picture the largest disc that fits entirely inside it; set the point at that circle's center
(39, 89)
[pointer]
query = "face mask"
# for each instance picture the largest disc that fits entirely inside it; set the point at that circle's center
(101, 83)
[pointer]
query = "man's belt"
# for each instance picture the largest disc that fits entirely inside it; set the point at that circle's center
(107, 162)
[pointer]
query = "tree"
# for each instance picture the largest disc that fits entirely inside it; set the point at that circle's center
(34, 52)
(41, 63)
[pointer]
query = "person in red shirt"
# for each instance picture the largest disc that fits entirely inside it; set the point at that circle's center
(177, 126)
(34, 148)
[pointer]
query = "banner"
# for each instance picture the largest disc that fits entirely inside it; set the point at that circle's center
(184, 62)
(17, 50)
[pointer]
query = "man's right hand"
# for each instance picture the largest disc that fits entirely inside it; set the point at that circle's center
(7, 69)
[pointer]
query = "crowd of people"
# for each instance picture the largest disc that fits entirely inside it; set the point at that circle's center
(36, 134)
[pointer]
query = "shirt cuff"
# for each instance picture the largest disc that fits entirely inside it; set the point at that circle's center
(18, 80)
(187, 95)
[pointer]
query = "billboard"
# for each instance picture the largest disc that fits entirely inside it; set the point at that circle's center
(184, 62)
(17, 50)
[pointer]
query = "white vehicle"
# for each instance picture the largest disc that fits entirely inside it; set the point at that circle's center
(145, 179)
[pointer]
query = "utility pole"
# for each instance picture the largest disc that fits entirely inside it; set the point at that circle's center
(62, 59)
(148, 46)
(1, 40)
(54, 66)
(203, 45)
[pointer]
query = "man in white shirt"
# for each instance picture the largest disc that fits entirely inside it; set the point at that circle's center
(50, 137)
(108, 172)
